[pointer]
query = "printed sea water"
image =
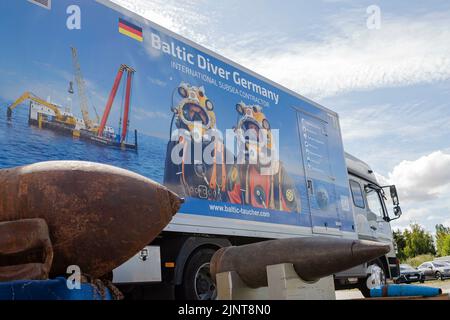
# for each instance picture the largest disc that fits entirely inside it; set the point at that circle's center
(21, 144)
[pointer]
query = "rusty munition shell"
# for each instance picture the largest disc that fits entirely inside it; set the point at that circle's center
(25, 236)
(98, 216)
(313, 258)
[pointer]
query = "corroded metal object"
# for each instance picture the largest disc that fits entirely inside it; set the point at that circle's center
(22, 240)
(313, 258)
(98, 216)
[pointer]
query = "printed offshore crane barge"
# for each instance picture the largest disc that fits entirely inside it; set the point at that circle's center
(102, 134)
(47, 115)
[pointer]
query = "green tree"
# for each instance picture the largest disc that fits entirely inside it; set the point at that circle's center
(418, 242)
(400, 241)
(442, 240)
(445, 246)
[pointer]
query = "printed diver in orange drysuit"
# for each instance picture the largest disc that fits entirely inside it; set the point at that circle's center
(246, 183)
(194, 118)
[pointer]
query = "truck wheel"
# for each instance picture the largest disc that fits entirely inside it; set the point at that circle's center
(197, 281)
(379, 277)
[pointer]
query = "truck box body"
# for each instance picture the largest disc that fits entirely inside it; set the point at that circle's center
(36, 57)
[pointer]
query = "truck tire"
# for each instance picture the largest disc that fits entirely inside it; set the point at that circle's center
(362, 286)
(197, 281)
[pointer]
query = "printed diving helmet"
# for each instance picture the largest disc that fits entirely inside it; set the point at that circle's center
(252, 126)
(195, 112)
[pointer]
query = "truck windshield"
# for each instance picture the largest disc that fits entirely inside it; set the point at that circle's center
(374, 202)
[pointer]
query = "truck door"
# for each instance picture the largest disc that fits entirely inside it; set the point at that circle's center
(377, 208)
(319, 176)
(364, 219)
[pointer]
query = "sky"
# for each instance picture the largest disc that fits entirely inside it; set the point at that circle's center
(390, 85)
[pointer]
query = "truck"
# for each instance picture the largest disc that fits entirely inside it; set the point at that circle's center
(252, 159)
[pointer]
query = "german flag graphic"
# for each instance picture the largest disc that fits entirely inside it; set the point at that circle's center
(130, 30)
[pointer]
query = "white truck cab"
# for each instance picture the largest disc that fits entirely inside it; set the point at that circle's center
(372, 221)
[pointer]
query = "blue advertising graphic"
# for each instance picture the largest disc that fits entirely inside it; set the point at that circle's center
(119, 90)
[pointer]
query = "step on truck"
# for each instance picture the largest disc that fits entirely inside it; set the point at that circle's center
(253, 160)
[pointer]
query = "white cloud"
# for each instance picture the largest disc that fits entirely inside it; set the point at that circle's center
(366, 122)
(382, 179)
(415, 120)
(419, 181)
(427, 216)
(415, 214)
(395, 129)
(426, 178)
(182, 17)
(345, 55)
(404, 52)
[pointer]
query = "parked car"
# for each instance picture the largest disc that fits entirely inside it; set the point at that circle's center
(409, 274)
(435, 270)
(444, 259)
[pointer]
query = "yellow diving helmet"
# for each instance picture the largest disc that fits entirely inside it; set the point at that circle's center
(195, 110)
(252, 118)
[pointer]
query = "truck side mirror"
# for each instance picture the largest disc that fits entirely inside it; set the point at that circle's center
(398, 211)
(394, 196)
